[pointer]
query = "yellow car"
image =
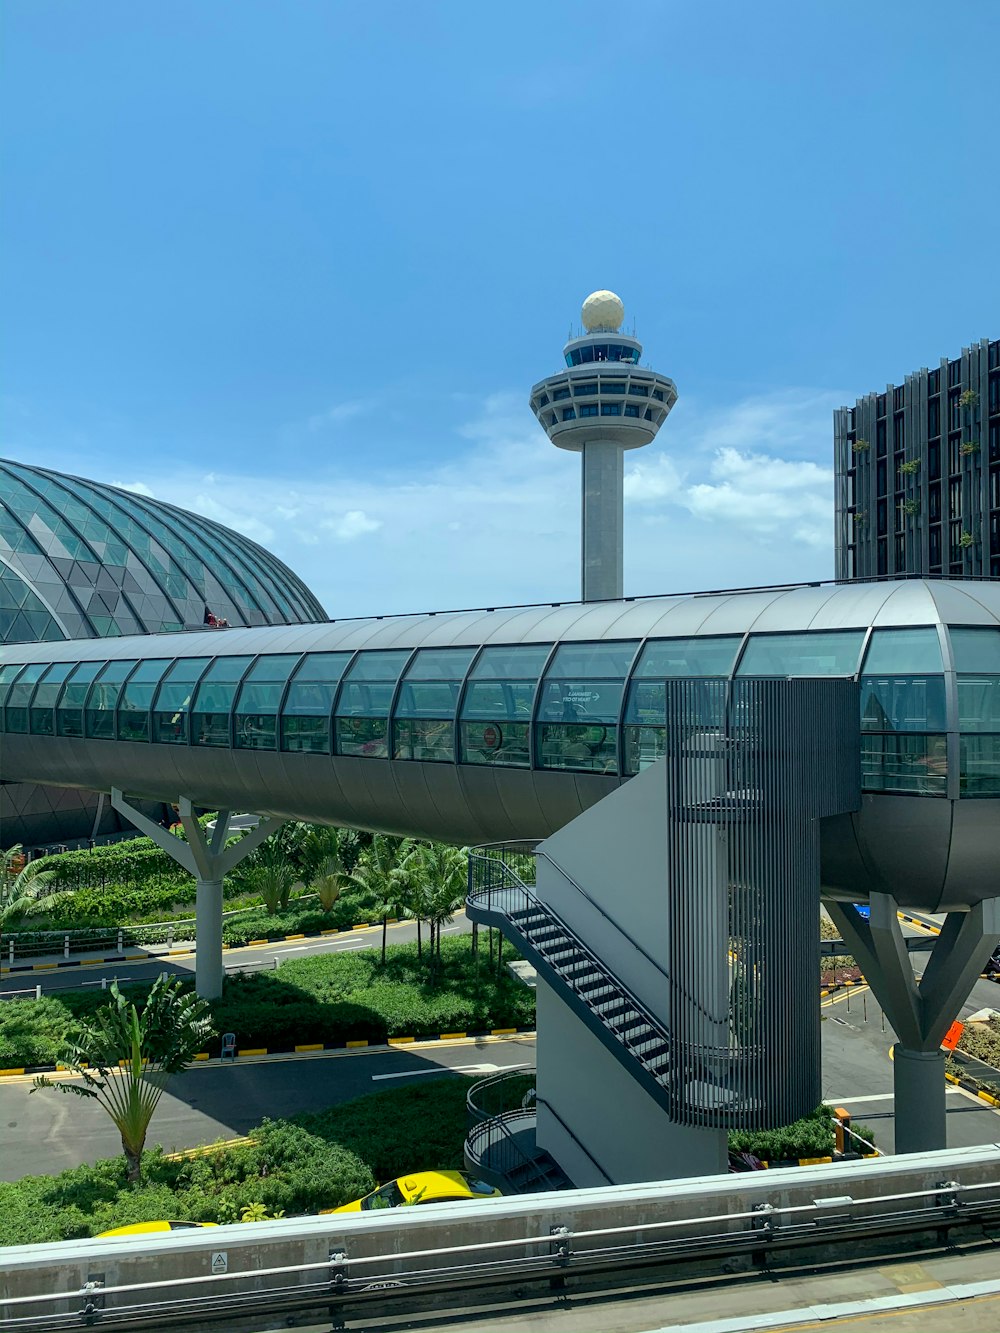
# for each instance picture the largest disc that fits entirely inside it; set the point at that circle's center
(144, 1228)
(422, 1187)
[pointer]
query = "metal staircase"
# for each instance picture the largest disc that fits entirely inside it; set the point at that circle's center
(498, 896)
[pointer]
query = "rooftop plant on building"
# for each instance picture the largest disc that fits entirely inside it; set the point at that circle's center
(910, 467)
(860, 446)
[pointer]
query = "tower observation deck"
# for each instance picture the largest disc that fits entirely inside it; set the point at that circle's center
(603, 403)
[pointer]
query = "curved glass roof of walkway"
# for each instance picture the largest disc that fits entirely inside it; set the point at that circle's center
(574, 688)
(78, 559)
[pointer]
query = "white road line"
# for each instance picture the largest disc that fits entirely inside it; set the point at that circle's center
(413, 1073)
(884, 1097)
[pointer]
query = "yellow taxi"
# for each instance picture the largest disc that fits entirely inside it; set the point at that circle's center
(146, 1228)
(422, 1187)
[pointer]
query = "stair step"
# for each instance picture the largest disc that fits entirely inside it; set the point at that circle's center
(630, 1024)
(596, 983)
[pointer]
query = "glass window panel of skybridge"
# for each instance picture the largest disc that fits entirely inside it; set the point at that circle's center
(8, 673)
(256, 713)
(363, 706)
(19, 695)
(102, 701)
(821, 653)
(496, 709)
(136, 699)
(46, 693)
(704, 656)
(580, 704)
(172, 700)
(69, 705)
(213, 700)
(305, 713)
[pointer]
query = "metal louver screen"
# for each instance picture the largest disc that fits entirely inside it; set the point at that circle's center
(752, 765)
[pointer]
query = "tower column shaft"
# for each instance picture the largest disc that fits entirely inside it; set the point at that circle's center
(602, 526)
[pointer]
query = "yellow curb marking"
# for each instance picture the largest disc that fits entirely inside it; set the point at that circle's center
(355, 1044)
(452, 1036)
(313, 1046)
(252, 1050)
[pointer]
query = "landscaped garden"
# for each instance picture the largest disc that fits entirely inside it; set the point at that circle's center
(330, 998)
(291, 1166)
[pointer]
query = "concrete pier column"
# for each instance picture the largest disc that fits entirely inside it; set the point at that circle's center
(919, 1087)
(208, 931)
(209, 862)
(602, 520)
(920, 1011)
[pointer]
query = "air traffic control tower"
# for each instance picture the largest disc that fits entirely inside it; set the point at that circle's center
(602, 404)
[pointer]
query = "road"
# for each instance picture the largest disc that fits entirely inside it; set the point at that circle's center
(857, 1070)
(251, 958)
(53, 1131)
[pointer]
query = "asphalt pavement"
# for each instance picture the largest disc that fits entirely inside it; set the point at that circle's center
(48, 1131)
(86, 974)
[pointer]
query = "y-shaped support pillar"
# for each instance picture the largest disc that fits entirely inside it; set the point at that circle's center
(920, 1011)
(209, 863)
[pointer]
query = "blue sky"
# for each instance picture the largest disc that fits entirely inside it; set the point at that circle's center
(297, 265)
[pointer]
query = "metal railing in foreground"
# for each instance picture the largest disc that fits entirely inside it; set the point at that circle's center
(342, 1260)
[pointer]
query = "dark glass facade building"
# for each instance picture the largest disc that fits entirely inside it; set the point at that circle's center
(79, 560)
(918, 473)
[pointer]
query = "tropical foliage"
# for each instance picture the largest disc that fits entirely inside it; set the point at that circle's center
(123, 1057)
(25, 888)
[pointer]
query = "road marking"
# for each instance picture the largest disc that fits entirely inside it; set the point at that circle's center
(413, 1073)
(445, 1069)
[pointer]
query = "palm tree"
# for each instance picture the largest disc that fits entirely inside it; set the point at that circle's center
(380, 876)
(444, 872)
(328, 856)
(23, 888)
(416, 889)
(268, 873)
(149, 1046)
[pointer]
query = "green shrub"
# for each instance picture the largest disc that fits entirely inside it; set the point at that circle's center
(982, 1042)
(288, 1166)
(329, 997)
(812, 1136)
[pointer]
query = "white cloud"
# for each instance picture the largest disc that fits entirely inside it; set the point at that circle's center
(136, 487)
(721, 499)
(355, 523)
